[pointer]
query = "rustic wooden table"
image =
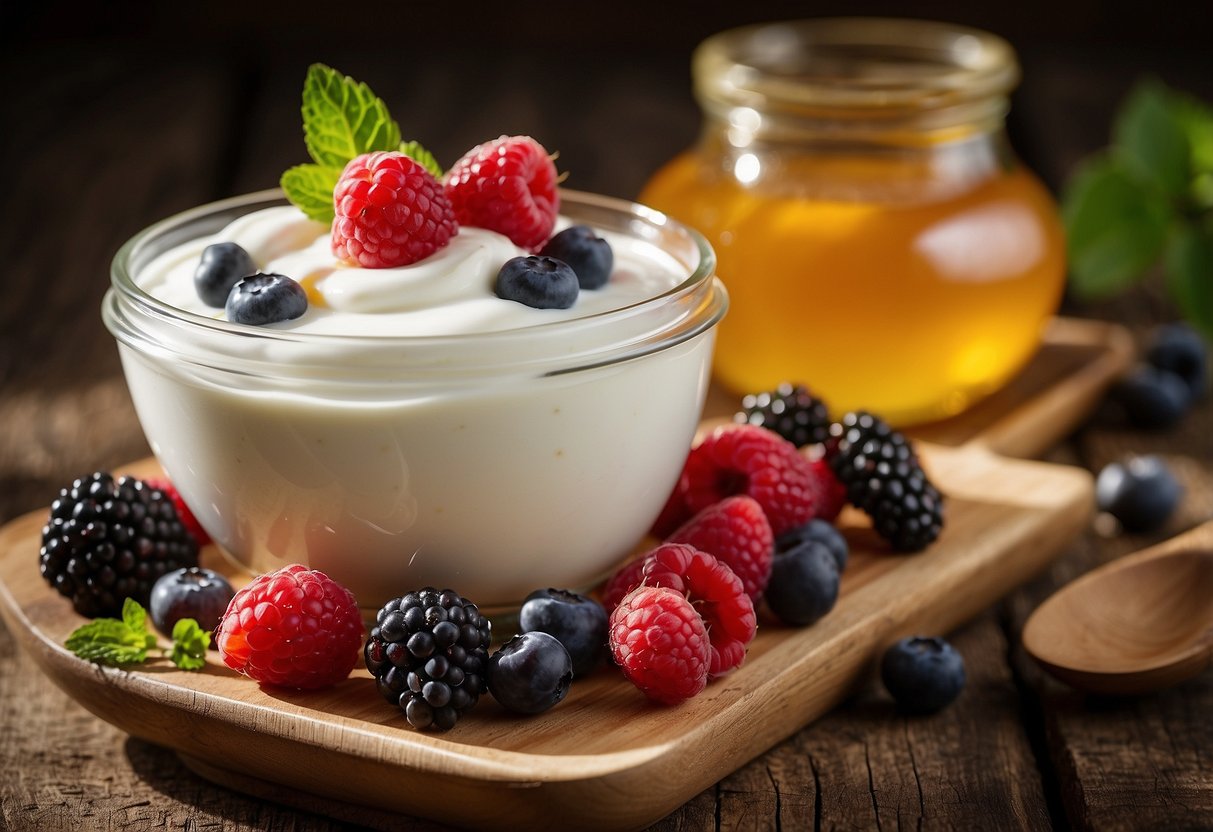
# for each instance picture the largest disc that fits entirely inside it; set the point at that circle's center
(115, 136)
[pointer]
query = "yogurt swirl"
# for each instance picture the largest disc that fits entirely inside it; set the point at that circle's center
(448, 293)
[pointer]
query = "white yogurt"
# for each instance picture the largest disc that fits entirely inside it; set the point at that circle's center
(412, 428)
(448, 293)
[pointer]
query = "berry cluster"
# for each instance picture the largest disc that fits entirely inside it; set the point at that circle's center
(756, 502)
(391, 211)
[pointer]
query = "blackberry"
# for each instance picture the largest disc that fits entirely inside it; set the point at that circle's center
(429, 654)
(790, 411)
(884, 479)
(110, 539)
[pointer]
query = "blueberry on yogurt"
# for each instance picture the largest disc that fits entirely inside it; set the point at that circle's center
(539, 282)
(265, 299)
(588, 255)
(222, 266)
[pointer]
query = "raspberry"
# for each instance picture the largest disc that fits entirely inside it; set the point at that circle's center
(295, 628)
(184, 514)
(716, 593)
(736, 532)
(829, 494)
(507, 185)
(744, 459)
(659, 641)
(390, 212)
(622, 582)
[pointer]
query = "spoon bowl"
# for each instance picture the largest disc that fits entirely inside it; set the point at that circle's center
(1139, 624)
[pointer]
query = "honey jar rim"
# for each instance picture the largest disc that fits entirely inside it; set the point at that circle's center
(857, 66)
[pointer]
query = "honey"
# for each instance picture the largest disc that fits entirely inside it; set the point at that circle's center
(892, 256)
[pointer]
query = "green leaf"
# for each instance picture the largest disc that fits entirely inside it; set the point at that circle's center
(1202, 191)
(134, 616)
(1189, 267)
(342, 118)
(1116, 228)
(190, 643)
(1196, 119)
(423, 157)
(310, 187)
(110, 641)
(1151, 140)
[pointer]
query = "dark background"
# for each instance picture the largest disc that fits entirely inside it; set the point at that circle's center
(607, 83)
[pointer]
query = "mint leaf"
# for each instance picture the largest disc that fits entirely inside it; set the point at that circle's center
(110, 641)
(1189, 268)
(1151, 140)
(423, 157)
(134, 616)
(342, 118)
(310, 187)
(1116, 227)
(189, 645)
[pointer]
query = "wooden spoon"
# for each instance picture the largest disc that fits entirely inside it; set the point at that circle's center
(1138, 624)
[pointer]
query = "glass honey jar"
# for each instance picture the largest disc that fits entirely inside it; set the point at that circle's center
(880, 241)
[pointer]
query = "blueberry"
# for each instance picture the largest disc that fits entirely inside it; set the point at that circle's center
(1141, 493)
(821, 531)
(577, 622)
(587, 254)
(1179, 349)
(804, 583)
(530, 673)
(223, 265)
(540, 282)
(923, 674)
(1152, 398)
(195, 593)
(266, 299)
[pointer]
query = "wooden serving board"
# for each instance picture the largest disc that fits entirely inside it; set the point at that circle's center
(606, 757)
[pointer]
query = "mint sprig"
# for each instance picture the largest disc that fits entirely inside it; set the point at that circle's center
(119, 642)
(190, 643)
(310, 187)
(1148, 200)
(342, 119)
